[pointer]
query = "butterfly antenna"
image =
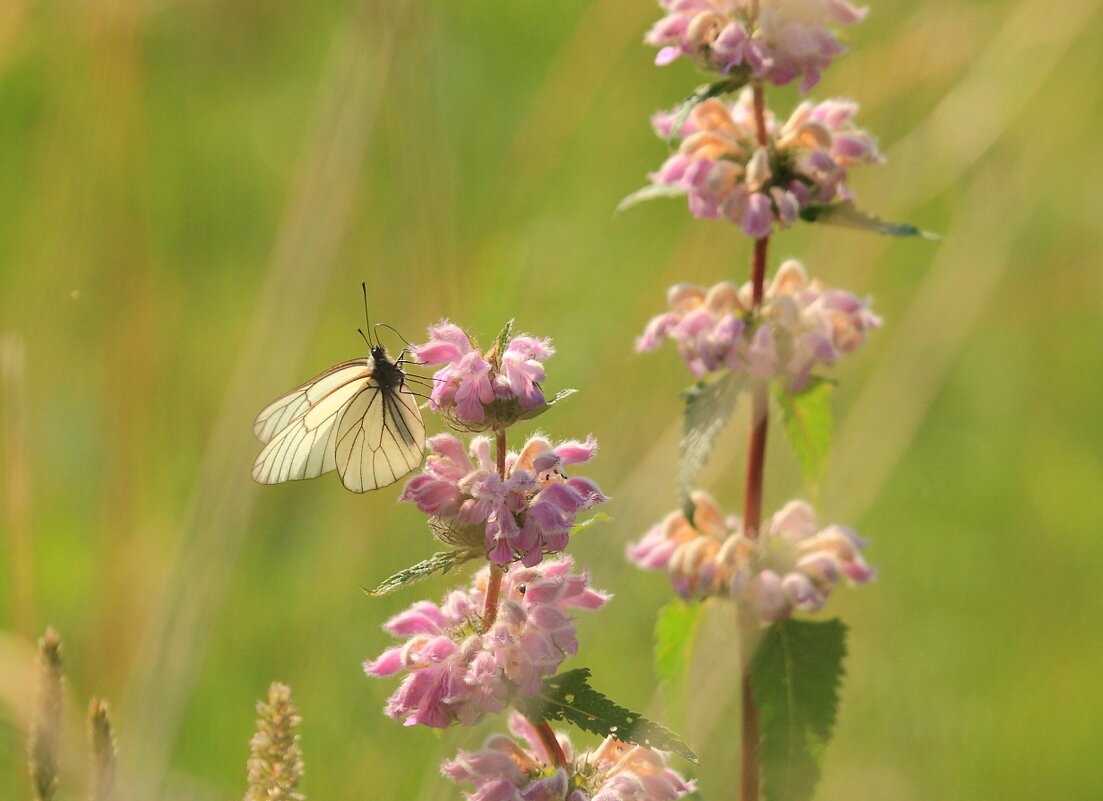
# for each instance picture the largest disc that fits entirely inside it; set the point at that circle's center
(367, 320)
(364, 336)
(409, 345)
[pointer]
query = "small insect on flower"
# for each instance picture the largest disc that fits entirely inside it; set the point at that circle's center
(357, 417)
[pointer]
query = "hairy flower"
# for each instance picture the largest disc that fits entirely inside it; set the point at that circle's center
(472, 385)
(792, 564)
(801, 324)
(774, 40)
(505, 770)
(456, 671)
(727, 174)
(524, 515)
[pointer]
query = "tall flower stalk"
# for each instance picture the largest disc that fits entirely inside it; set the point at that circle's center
(498, 643)
(735, 161)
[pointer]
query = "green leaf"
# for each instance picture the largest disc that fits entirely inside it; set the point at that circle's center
(440, 562)
(600, 517)
(808, 423)
(709, 404)
(502, 340)
(675, 638)
(795, 678)
(528, 414)
(651, 192)
(846, 214)
(569, 696)
(700, 95)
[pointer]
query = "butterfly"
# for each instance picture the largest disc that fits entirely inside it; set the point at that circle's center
(357, 417)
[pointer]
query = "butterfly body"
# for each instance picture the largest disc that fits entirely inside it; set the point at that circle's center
(357, 418)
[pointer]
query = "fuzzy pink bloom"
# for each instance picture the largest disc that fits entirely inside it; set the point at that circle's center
(528, 514)
(775, 40)
(801, 325)
(728, 175)
(470, 379)
(506, 770)
(454, 673)
(793, 564)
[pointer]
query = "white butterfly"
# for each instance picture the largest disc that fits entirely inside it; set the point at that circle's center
(357, 418)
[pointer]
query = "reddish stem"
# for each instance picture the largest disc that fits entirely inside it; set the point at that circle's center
(756, 460)
(551, 744)
(749, 777)
(758, 271)
(760, 114)
(493, 589)
(756, 450)
(494, 586)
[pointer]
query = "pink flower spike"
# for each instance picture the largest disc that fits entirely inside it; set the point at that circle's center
(792, 564)
(469, 380)
(614, 771)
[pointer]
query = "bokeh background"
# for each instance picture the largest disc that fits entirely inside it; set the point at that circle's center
(190, 196)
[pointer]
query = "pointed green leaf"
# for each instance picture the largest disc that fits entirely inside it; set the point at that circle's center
(808, 423)
(700, 95)
(709, 404)
(675, 639)
(440, 562)
(795, 677)
(651, 192)
(569, 696)
(600, 517)
(846, 214)
(502, 340)
(528, 414)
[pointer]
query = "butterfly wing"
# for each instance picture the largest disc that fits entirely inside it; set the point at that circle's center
(301, 426)
(380, 437)
(278, 414)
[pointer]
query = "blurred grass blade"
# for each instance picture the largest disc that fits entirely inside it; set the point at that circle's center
(15, 467)
(304, 255)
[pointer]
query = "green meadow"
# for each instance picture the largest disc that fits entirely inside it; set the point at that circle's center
(190, 197)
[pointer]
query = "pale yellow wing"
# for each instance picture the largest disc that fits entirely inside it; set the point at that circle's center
(304, 446)
(380, 438)
(278, 414)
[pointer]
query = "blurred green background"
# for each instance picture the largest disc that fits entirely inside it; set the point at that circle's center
(192, 194)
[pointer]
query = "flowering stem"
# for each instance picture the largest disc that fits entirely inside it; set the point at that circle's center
(752, 496)
(760, 115)
(551, 744)
(493, 588)
(756, 460)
